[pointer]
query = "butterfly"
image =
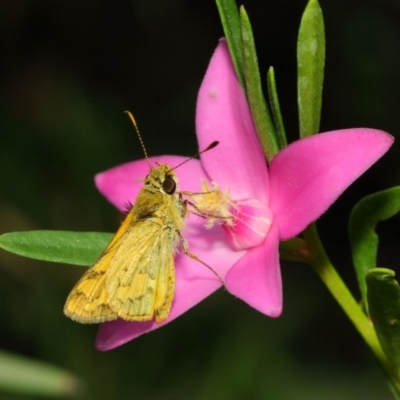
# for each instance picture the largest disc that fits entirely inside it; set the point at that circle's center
(134, 278)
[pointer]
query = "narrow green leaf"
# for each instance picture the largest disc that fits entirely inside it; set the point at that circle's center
(261, 116)
(229, 15)
(384, 308)
(23, 375)
(78, 248)
(276, 109)
(310, 68)
(363, 240)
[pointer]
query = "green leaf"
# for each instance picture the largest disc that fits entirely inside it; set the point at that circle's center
(78, 248)
(229, 15)
(22, 375)
(276, 109)
(261, 116)
(363, 240)
(384, 308)
(310, 68)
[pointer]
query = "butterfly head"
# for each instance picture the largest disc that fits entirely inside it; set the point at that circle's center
(162, 178)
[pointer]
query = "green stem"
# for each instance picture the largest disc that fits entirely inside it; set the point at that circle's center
(319, 260)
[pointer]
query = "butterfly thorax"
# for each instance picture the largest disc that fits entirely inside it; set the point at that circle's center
(159, 197)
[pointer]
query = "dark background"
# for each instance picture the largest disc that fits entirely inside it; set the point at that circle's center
(68, 70)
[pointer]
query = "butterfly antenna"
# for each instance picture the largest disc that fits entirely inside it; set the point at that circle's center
(209, 147)
(140, 137)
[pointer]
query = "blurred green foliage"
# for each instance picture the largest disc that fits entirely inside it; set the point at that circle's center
(68, 70)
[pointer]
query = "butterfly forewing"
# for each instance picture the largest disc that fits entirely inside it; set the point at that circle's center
(88, 302)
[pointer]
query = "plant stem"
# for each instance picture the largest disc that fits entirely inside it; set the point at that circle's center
(319, 260)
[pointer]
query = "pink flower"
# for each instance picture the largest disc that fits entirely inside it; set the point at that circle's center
(271, 205)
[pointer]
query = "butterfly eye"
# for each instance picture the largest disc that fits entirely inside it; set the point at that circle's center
(169, 185)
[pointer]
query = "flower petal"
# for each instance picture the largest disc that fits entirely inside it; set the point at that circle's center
(194, 282)
(256, 277)
(310, 174)
(121, 185)
(251, 224)
(222, 114)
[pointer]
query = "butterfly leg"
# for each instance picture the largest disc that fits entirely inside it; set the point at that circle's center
(194, 257)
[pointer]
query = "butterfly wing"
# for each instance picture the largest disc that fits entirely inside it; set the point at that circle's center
(88, 302)
(166, 281)
(140, 281)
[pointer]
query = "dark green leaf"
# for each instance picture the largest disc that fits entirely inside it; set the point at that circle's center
(229, 15)
(276, 108)
(363, 239)
(22, 375)
(78, 248)
(310, 68)
(384, 308)
(261, 116)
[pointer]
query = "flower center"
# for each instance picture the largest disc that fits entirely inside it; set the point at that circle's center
(245, 222)
(252, 221)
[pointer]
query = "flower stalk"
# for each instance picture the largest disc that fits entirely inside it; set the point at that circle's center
(319, 260)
